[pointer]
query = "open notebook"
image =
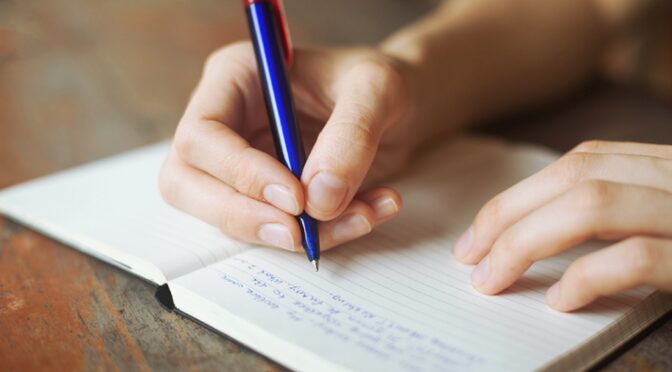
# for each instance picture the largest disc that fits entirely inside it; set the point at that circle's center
(395, 300)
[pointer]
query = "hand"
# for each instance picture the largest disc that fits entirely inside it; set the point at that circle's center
(221, 167)
(600, 190)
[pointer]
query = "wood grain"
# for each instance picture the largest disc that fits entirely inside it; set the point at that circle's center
(80, 80)
(68, 311)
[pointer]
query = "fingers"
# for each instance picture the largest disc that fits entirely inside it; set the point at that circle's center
(218, 204)
(626, 148)
(596, 209)
(572, 169)
(219, 151)
(348, 143)
(367, 211)
(599, 190)
(385, 202)
(246, 219)
(632, 262)
(228, 83)
(206, 141)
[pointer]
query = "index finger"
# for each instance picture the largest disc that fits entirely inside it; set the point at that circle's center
(208, 136)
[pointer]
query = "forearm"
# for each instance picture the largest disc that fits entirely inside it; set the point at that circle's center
(472, 60)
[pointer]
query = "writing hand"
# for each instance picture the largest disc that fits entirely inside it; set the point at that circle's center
(222, 169)
(600, 190)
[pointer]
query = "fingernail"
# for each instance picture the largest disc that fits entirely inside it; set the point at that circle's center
(553, 295)
(280, 197)
(351, 227)
(464, 243)
(384, 207)
(276, 235)
(326, 192)
(481, 272)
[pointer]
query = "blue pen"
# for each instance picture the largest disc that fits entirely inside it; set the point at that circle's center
(273, 49)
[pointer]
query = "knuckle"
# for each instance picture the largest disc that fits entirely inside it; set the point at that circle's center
(591, 146)
(643, 257)
(594, 195)
(574, 167)
(384, 79)
(377, 70)
(231, 222)
(511, 245)
(489, 215)
(239, 47)
(184, 142)
(363, 135)
(507, 247)
(226, 52)
(356, 133)
(581, 273)
(239, 53)
(215, 58)
(235, 171)
(240, 174)
(508, 256)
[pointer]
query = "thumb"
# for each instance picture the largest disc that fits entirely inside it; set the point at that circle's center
(367, 103)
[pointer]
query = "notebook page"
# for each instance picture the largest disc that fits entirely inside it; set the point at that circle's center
(397, 300)
(112, 209)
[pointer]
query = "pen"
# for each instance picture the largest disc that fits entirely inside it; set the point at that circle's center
(273, 50)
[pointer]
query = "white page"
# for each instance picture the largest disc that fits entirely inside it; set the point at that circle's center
(397, 300)
(112, 209)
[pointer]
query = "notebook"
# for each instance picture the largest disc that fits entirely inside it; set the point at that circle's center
(395, 300)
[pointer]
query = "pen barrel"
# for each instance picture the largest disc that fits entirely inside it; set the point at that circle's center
(267, 41)
(268, 47)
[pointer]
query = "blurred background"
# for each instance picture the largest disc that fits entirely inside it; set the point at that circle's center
(80, 80)
(84, 79)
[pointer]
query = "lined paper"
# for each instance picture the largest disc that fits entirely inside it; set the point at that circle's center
(112, 209)
(397, 300)
(394, 300)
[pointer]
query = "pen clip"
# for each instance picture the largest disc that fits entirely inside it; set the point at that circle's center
(281, 21)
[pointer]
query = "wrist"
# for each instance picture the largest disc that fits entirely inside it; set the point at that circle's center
(437, 97)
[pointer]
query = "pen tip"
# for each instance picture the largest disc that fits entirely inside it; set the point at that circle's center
(316, 263)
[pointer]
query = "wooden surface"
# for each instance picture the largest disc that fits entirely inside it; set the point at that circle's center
(80, 80)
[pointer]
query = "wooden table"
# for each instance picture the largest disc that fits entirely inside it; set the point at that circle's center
(80, 80)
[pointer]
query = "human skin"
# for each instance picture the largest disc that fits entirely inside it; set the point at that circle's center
(615, 191)
(364, 111)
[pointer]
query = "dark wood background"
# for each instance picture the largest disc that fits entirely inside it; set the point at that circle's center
(80, 80)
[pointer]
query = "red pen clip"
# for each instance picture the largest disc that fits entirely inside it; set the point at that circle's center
(284, 30)
(281, 22)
